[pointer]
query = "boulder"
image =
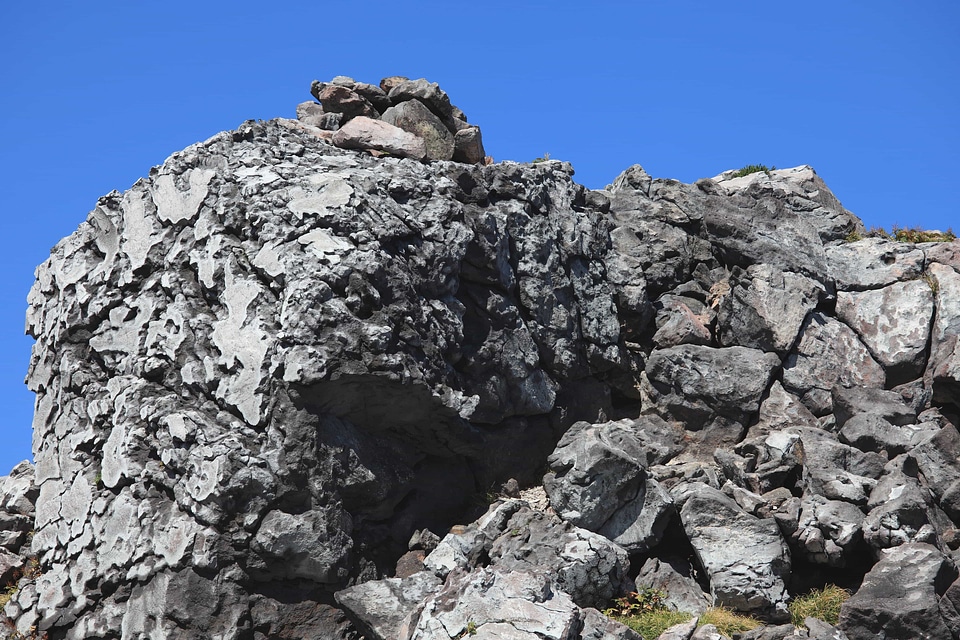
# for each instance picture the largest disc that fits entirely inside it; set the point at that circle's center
(802, 190)
(365, 133)
(902, 512)
(873, 263)
(899, 597)
(938, 461)
(780, 410)
(826, 532)
(598, 481)
(835, 470)
(414, 117)
(745, 558)
(429, 93)
(766, 308)
(385, 609)
(889, 405)
(756, 227)
(943, 371)
(674, 577)
(870, 432)
(513, 537)
(487, 604)
(337, 98)
(894, 323)
(692, 383)
(677, 324)
(828, 354)
(468, 146)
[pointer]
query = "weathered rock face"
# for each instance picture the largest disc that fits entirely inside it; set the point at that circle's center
(266, 366)
(287, 357)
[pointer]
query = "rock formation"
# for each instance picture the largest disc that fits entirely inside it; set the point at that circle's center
(280, 379)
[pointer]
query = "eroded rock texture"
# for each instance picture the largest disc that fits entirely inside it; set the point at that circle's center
(275, 377)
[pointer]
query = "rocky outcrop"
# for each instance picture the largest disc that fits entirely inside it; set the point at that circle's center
(279, 379)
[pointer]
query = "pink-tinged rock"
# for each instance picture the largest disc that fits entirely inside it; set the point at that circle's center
(340, 99)
(828, 353)
(894, 323)
(413, 116)
(947, 253)
(468, 146)
(367, 133)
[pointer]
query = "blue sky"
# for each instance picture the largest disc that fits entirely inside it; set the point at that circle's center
(96, 93)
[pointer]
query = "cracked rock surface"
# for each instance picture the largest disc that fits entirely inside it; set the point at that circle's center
(279, 379)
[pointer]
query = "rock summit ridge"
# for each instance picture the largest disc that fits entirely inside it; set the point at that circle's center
(344, 377)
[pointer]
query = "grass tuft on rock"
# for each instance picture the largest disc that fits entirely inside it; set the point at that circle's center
(823, 604)
(728, 622)
(652, 623)
(753, 168)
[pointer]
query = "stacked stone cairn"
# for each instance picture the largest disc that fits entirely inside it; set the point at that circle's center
(401, 117)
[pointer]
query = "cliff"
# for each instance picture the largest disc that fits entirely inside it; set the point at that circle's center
(276, 377)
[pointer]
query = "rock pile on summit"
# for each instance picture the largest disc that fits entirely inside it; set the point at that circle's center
(281, 379)
(408, 118)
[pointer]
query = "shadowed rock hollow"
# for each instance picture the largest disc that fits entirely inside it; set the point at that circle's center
(276, 376)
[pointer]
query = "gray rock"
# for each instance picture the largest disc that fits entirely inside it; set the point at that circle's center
(889, 405)
(780, 410)
(873, 263)
(588, 567)
(826, 532)
(708, 632)
(513, 537)
(902, 512)
(388, 83)
(489, 604)
(938, 461)
(900, 595)
(674, 577)
(682, 631)
(429, 93)
(598, 480)
(351, 358)
(677, 324)
(693, 383)
(414, 117)
(641, 215)
(385, 609)
(19, 490)
(819, 630)
(803, 191)
(773, 632)
(374, 95)
(757, 227)
(837, 471)
(870, 432)
(766, 308)
(745, 558)
(828, 354)
(894, 324)
(364, 133)
(943, 371)
(468, 146)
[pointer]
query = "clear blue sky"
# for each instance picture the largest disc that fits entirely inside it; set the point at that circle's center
(95, 93)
